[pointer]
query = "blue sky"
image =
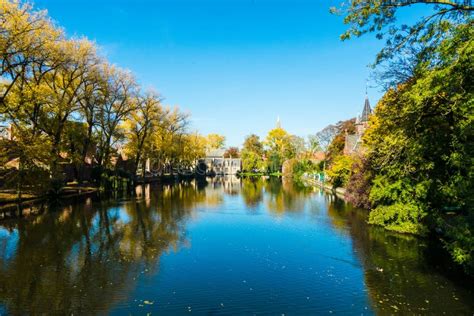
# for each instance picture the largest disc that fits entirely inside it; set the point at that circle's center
(233, 65)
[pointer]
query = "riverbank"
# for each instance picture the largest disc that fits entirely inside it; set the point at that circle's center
(259, 174)
(340, 192)
(10, 206)
(31, 204)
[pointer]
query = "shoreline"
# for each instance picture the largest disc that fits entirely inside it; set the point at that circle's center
(339, 192)
(33, 205)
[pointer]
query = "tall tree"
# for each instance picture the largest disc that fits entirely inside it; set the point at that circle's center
(144, 120)
(324, 139)
(252, 154)
(215, 141)
(279, 148)
(25, 40)
(120, 96)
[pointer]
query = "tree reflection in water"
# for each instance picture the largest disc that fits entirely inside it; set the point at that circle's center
(87, 257)
(399, 275)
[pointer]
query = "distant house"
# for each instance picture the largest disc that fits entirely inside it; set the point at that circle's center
(216, 164)
(6, 132)
(353, 143)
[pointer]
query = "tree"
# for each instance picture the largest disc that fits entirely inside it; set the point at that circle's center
(279, 148)
(337, 145)
(119, 93)
(62, 89)
(359, 183)
(253, 143)
(215, 141)
(25, 40)
(28, 52)
(324, 139)
(298, 145)
(232, 152)
(421, 143)
(340, 170)
(313, 144)
(376, 16)
(252, 154)
(140, 124)
(89, 106)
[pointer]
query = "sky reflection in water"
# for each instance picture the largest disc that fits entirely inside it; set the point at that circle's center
(218, 247)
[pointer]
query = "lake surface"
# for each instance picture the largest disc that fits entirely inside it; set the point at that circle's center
(220, 246)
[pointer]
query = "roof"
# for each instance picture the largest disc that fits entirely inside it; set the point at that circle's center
(215, 153)
(366, 111)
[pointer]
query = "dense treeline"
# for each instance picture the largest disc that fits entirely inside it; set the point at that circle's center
(416, 170)
(65, 104)
(279, 153)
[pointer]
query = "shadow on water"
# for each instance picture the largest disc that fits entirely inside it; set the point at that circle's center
(85, 257)
(402, 272)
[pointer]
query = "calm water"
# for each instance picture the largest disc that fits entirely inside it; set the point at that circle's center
(221, 247)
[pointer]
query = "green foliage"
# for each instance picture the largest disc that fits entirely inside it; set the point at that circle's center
(305, 166)
(281, 146)
(459, 239)
(336, 147)
(251, 161)
(399, 217)
(274, 162)
(68, 107)
(252, 154)
(380, 17)
(340, 170)
(421, 148)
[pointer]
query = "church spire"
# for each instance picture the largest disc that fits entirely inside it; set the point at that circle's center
(278, 123)
(366, 111)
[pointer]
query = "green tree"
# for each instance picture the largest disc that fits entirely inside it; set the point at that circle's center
(421, 146)
(407, 45)
(252, 154)
(215, 141)
(340, 170)
(336, 147)
(280, 147)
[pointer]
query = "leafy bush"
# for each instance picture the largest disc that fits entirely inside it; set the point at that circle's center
(359, 183)
(399, 217)
(299, 167)
(340, 170)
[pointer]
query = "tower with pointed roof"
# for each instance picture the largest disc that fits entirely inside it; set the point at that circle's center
(278, 123)
(362, 120)
(353, 143)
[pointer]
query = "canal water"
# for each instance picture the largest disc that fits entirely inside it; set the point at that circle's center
(222, 247)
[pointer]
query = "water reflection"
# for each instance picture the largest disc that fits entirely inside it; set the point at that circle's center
(85, 257)
(400, 274)
(90, 256)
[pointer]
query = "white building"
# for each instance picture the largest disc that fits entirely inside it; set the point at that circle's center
(216, 164)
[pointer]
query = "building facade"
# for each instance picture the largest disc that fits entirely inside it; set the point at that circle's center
(353, 143)
(215, 164)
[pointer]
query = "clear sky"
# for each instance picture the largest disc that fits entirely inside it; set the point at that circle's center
(234, 65)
